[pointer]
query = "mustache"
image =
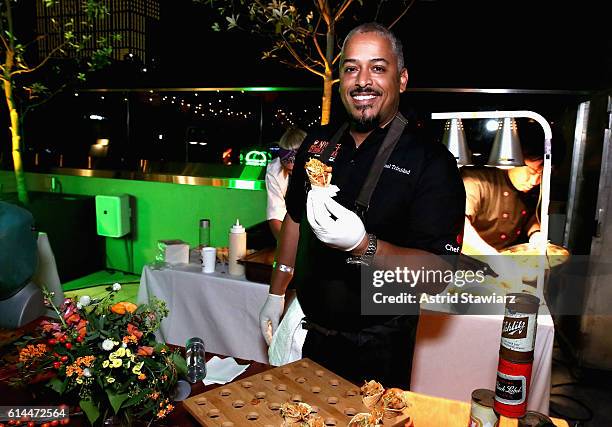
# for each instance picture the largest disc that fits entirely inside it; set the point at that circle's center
(364, 91)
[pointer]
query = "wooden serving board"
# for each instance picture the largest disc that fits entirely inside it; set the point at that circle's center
(255, 401)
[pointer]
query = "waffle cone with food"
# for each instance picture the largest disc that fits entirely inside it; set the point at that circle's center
(372, 391)
(366, 419)
(394, 402)
(295, 414)
(318, 173)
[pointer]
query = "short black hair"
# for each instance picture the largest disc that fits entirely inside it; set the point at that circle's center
(531, 135)
(381, 30)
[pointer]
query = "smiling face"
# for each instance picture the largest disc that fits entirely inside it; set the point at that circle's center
(370, 82)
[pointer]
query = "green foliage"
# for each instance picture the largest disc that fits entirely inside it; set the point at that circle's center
(23, 83)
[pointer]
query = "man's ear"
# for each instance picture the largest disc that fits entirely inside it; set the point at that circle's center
(403, 80)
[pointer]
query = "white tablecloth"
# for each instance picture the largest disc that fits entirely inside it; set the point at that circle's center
(223, 310)
(456, 354)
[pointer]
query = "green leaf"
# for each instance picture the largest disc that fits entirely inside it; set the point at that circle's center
(116, 400)
(90, 409)
(136, 399)
(180, 363)
(57, 385)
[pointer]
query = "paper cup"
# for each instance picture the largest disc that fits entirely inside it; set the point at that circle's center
(209, 259)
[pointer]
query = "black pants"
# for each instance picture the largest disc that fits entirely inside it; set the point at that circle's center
(382, 353)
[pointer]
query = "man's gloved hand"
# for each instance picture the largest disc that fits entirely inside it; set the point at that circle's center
(270, 314)
(343, 231)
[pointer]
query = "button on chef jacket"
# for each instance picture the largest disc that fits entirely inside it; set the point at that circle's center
(418, 202)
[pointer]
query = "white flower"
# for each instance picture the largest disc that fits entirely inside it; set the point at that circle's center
(85, 300)
(79, 306)
(108, 344)
(87, 372)
(124, 345)
(116, 287)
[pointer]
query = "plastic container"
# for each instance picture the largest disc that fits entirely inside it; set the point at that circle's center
(237, 249)
(204, 233)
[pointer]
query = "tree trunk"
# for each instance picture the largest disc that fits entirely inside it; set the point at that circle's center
(22, 191)
(330, 43)
(327, 98)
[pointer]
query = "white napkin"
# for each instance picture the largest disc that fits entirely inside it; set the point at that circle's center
(222, 371)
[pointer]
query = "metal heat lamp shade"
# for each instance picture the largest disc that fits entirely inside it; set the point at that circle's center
(454, 141)
(506, 152)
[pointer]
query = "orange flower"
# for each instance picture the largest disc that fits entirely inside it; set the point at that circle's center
(82, 328)
(73, 319)
(30, 352)
(142, 376)
(50, 326)
(133, 330)
(85, 360)
(129, 339)
(145, 350)
(123, 307)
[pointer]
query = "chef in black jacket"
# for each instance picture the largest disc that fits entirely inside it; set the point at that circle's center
(413, 209)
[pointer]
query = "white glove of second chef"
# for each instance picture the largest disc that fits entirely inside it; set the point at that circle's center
(344, 233)
(270, 314)
(536, 239)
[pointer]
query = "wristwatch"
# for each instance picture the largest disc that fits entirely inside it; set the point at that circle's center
(368, 256)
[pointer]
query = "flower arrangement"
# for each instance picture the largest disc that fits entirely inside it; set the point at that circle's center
(104, 355)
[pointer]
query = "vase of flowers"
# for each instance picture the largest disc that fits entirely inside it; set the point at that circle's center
(103, 356)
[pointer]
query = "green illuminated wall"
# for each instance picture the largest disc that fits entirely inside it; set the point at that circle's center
(163, 211)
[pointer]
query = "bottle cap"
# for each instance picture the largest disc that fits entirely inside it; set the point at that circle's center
(237, 228)
(204, 223)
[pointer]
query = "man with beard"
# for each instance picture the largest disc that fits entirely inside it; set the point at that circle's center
(399, 197)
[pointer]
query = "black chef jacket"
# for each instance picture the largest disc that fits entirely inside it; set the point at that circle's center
(419, 202)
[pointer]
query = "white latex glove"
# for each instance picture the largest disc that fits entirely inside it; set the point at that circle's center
(345, 232)
(270, 314)
(506, 267)
(536, 239)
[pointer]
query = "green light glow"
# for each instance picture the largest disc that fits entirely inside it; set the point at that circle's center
(256, 158)
(244, 184)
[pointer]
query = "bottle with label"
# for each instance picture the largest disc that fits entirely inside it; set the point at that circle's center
(237, 249)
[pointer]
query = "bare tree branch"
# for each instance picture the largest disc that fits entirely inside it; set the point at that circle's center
(337, 57)
(41, 64)
(4, 42)
(402, 14)
(299, 60)
(316, 42)
(342, 9)
(44, 101)
(323, 6)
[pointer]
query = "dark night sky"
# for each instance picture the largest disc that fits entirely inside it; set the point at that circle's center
(447, 43)
(543, 44)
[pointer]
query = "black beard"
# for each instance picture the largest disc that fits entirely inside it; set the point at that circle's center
(365, 124)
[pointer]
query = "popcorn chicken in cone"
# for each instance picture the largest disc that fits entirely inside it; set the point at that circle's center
(372, 391)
